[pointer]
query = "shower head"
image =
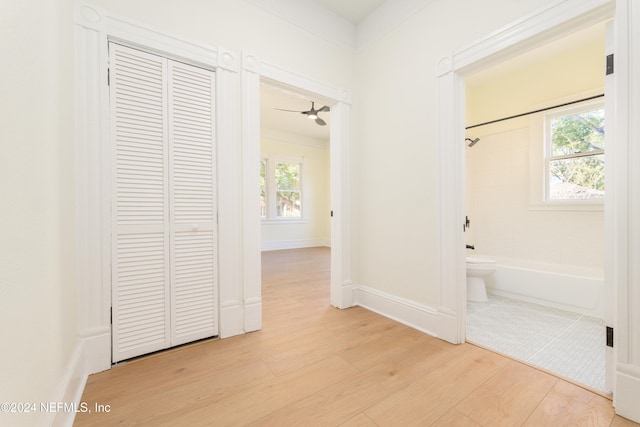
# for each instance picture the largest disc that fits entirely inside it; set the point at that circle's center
(472, 142)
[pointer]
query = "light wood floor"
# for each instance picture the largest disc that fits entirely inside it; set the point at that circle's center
(316, 365)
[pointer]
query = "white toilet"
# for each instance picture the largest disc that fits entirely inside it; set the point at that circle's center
(477, 269)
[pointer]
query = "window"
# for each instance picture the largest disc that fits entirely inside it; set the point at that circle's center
(281, 188)
(574, 155)
(263, 188)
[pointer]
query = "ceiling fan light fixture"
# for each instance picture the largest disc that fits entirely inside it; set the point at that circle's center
(312, 116)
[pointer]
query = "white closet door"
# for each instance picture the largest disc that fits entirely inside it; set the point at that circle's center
(163, 203)
(139, 205)
(193, 208)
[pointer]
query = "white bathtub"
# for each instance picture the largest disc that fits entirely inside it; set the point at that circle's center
(576, 289)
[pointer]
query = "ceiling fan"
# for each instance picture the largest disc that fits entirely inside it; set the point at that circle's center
(311, 114)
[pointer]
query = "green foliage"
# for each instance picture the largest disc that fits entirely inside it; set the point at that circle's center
(577, 134)
(288, 189)
(287, 176)
(263, 188)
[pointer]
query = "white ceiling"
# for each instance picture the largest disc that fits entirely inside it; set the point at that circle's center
(353, 11)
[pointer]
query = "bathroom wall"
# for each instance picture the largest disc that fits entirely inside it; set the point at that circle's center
(314, 228)
(506, 221)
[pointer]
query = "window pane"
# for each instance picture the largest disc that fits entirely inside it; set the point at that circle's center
(263, 189)
(288, 199)
(287, 176)
(577, 133)
(577, 178)
(288, 204)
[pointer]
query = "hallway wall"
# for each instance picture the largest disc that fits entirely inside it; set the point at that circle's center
(37, 226)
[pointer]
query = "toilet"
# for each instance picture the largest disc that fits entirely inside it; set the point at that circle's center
(477, 269)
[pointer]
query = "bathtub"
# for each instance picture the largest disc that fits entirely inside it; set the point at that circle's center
(575, 289)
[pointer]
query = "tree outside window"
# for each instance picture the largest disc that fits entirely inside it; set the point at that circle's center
(288, 200)
(575, 154)
(263, 189)
(281, 188)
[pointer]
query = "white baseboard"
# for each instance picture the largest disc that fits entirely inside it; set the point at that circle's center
(96, 345)
(231, 319)
(276, 245)
(253, 315)
(410, 313)
(625, 399)
(447, 326)
(345, 296)
(69, 390)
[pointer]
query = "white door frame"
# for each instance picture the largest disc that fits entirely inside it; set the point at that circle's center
(554, 21)
(253, 69)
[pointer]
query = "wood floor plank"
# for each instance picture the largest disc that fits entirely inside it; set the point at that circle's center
(454, 418)
(509, 397)
(431, 396)
(568, 401)
(256, 402)
(360, 420)
(345, 399)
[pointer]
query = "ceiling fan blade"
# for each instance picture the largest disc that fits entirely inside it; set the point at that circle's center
(325, 108)
(320, 122)
(292, 111)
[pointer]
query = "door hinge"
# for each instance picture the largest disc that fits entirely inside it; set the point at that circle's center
(609, 64)
(609, 336)
(111, 315)
(108, 76)
(331, 214)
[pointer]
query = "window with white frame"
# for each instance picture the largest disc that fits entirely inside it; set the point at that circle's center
(281, 188)
(574, 154)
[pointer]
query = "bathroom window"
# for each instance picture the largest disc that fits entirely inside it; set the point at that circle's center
(281, 188)
(574, 154)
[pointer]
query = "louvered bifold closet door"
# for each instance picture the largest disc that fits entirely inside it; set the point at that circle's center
(193, 211)
(139, 204)
(163, 203)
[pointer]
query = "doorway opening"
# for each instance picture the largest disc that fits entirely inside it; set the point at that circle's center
(295, 197)
(535, 30)
(538, 218)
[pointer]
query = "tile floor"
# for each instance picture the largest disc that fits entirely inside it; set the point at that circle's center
(569, 344)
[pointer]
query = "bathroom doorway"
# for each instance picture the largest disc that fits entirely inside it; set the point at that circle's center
(546, 298)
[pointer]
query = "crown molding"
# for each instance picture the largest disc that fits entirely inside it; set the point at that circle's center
(313, 18)
(383, 20)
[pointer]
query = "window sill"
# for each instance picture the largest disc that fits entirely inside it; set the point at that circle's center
(284, 221)
(584, 206)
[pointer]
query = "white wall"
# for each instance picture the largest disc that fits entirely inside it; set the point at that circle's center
(506, 220)
(314, 229)
(37, 231)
